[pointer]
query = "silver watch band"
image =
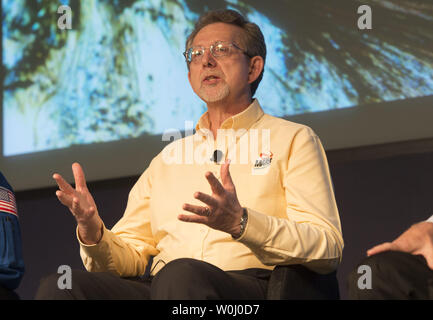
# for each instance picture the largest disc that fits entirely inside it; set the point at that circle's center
(243, 223)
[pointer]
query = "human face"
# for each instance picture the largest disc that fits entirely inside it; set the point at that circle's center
(223, 78)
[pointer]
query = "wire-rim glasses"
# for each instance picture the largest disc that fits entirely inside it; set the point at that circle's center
(218, 49)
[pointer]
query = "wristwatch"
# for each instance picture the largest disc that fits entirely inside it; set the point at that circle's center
(243, 222)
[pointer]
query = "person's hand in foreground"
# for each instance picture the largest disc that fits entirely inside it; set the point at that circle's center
(418, 239)
(80, 202)
(222, 211)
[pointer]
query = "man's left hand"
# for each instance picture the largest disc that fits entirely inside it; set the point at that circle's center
(222, 210)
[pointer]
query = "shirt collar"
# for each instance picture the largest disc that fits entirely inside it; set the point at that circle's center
(242, 120)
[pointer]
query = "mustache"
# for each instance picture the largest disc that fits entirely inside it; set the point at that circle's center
(208, 74)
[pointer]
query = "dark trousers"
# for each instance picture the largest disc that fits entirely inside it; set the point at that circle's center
(7, 294)
(394, 275)
(181, 279)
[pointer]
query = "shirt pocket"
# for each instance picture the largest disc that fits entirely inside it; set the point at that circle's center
(262, 192)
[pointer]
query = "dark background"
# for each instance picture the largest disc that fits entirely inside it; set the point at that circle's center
(380, 190)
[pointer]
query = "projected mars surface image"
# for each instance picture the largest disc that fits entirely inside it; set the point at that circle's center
(119, 72)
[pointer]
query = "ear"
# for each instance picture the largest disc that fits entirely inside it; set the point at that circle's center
(189, 78)
(256, 67)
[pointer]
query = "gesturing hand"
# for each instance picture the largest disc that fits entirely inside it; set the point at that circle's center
(418, 239)
(80, 202)
(223, 211)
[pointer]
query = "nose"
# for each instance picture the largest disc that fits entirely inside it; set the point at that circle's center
(208, 60)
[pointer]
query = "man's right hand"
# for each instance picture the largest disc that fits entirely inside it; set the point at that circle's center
(80, 202)
(418, 239)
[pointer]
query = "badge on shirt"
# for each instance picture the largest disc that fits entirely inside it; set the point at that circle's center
(262, 163)
(7, 201)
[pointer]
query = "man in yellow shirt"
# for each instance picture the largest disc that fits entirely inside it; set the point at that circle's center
(219, 208)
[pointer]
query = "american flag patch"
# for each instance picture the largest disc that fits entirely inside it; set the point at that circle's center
(7, 201)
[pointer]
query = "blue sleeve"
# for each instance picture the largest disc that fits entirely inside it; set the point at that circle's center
(11, 259)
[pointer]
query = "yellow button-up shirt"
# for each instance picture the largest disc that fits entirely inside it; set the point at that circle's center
(281, 176)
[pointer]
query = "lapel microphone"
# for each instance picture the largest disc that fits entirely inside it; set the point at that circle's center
(217, 156)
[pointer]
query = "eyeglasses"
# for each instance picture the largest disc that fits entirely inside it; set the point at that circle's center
(218, 49)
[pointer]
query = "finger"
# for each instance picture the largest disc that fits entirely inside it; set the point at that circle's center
(64, 199)
(63, 185)
(80, 180)
(200, 210)
(226, 178)
(215, 185)
(192, 218)
(76, 210)
(380, 248)
(209, 200)
(429, 260)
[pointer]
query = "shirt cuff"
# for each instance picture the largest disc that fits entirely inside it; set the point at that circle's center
(430, 219)
(90, 245)
(99, 249)
(256, 230)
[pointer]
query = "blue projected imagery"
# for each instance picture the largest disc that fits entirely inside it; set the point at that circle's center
(119, 72)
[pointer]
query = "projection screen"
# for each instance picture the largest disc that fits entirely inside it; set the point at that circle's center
(104, 91)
